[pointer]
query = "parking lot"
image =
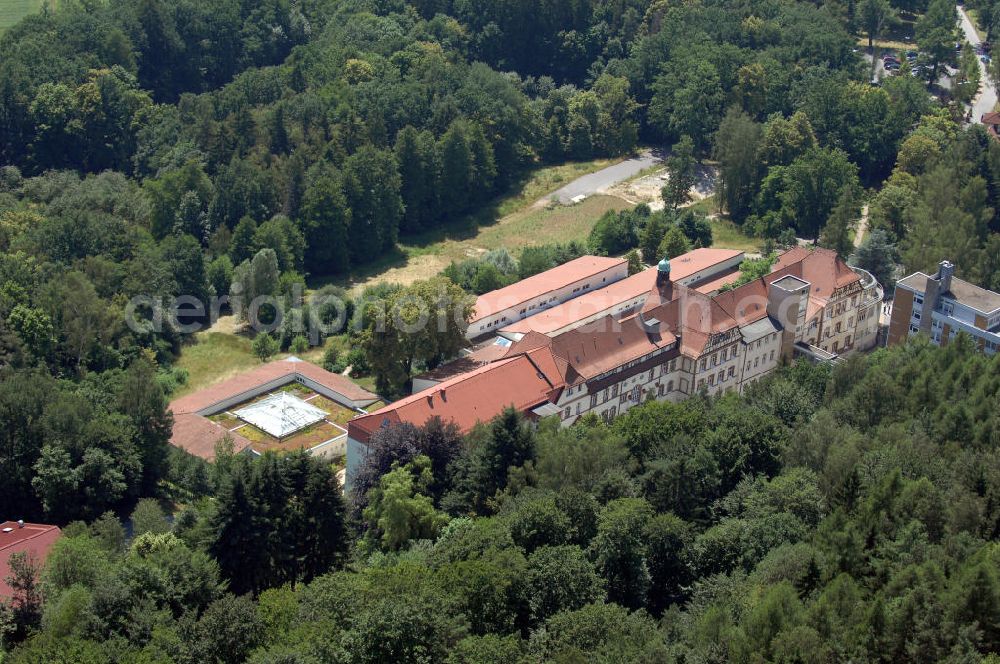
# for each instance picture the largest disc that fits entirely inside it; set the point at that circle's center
(894, 63)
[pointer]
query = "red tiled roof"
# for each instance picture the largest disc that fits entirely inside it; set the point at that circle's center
(586, 305)
(198, 435)
(822, 268)
(744, 304)
(35, 539)
(481, 356)
(538, 366)
(708, 287)
(599, 301)
(604, 344)
(991, 118)
(544, 282)
(466, 400)
(696, 260)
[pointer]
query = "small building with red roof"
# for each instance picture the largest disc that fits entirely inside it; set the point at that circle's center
(195, 433)
(992, 121)
(542, 291)
(696, 267)
(33, 539)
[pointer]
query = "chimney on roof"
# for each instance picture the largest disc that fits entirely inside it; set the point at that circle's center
(444, 397)
(946, 269)
(651, 326)
(20, 523)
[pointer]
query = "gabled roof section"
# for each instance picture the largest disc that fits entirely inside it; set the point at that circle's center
(199, 435)
(696, 260)
(589, 304)
(608, 343)
(542, 283)
(33, 539)
(822, 268)
(746, 303)
(466, 400)
(599, 301)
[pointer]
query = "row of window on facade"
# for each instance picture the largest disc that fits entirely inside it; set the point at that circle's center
(492, 323)
(730, 353)
(840, 307)
(635, 395)
(620, 390)
(837, 328)
(722, 375)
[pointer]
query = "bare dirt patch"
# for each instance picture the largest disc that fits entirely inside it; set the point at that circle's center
(646, 187)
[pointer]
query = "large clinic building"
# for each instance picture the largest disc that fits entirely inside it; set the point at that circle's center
(674, 343)
(941, 305)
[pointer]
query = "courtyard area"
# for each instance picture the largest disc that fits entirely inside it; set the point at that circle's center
(289, 418)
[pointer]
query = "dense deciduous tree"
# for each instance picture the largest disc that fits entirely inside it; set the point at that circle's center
(879, 256)
(936, 32)
(681, 173)
(326, 221)
(425, 322)
(736, 149)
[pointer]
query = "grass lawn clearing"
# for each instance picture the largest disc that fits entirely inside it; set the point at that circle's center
(559, 223)
(212, 357)
(500, 224)
(727, 235)
(307, 438)
(337, 413)
(425, 256)
(12, 11)
(226, 420)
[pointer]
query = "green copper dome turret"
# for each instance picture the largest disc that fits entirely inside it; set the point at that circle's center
(663, 273)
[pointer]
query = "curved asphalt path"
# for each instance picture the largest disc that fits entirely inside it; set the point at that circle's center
(598, 181)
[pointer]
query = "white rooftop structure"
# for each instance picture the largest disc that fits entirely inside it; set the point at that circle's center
(281, 414)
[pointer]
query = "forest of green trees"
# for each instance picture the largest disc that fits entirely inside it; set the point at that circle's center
(155, 148)
(160, 148)
(829, 514)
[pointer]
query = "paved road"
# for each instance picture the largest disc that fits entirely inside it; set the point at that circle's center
(859, 232)
(606, 177)
(987, 98)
